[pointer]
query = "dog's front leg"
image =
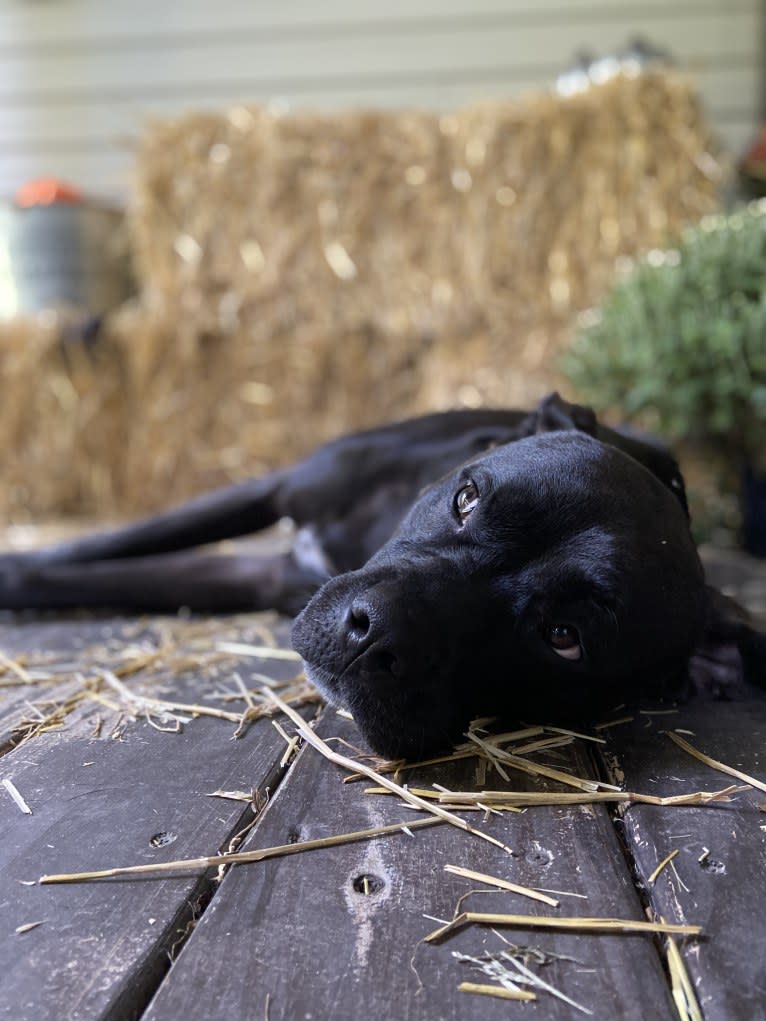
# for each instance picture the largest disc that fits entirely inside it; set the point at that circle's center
(201, 582)
(223, 514)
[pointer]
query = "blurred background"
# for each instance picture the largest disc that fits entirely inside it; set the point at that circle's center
(229, 231)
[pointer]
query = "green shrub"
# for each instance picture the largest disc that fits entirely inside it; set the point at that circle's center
(680, 342)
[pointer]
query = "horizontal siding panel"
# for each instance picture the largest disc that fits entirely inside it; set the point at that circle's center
(325, 64)
(94, 122)
(80, 22)
(79, 77)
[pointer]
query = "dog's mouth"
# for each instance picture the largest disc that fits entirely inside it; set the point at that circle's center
(397, 722)
(325, 682)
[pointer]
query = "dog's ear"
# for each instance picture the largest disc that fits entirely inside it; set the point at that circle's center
(554, 414)
(730, 655)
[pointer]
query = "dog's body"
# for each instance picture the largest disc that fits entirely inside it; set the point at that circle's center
(548, 566)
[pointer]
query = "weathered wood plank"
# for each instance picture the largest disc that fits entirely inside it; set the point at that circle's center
(717, 877)
(101, 950)
(300, 938)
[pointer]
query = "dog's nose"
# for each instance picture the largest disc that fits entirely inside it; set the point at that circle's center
(358, 620)
(368, 630)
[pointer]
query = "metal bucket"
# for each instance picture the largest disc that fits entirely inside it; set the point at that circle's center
(62, 255)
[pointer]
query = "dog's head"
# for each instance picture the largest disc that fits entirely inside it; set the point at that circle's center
(550, 578)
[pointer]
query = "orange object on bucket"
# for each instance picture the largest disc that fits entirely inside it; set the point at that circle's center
(45, 191)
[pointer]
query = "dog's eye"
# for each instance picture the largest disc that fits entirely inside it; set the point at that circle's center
(466, 500)
(565, 641)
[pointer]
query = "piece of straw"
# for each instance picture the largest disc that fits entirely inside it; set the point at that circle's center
(231, 795)
(241, 857)
(291, 742)
(341, 760)
(501, 884)
(498, 991)
(544, 744)
(528, 798)
(665, 861)
(421, 792)
(13, 790)
(681, 985)
(613, 925)
(575, 733)
(714, 763)
(258, 651)
(614, 723)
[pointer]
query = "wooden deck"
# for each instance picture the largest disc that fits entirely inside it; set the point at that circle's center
(338, 932)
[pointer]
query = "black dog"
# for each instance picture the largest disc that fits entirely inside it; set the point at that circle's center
(550, 571)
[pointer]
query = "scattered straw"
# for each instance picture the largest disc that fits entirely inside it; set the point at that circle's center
(242, 857)
(510, 971)
(665, 861)
(501, 884)
(299, 693)
(537, 769)
(164, 707)
(591, 925)
(467, 750)
(13, 790)
(341, 760)
(162, 654)
(28, 926)
(500, 992)
(715, 764)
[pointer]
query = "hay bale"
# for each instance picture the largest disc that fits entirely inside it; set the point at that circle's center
(307, 274)
(463, 244)
(62, 422)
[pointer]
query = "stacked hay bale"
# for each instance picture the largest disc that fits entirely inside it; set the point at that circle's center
(307, 274)
(63, 422)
